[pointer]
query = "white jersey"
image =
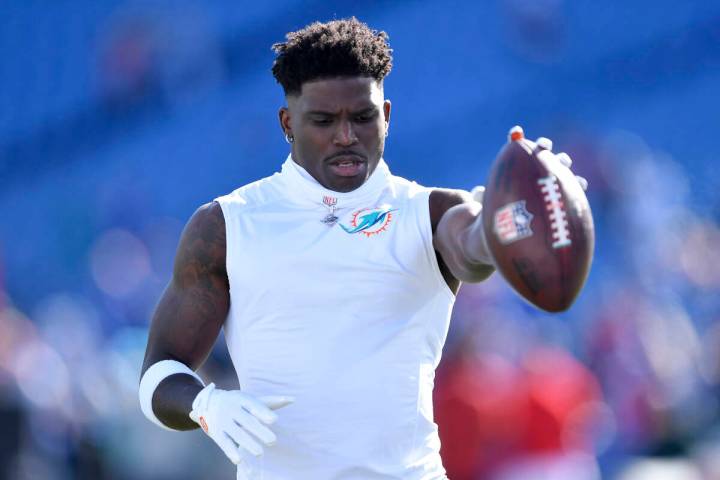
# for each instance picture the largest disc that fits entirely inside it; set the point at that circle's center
(349, 318)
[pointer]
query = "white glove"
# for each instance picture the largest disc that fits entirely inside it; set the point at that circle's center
(237, 421)
(478, 192)
(546, 144)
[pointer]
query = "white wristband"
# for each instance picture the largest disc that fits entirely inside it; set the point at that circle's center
(478, 193)
(151, 379)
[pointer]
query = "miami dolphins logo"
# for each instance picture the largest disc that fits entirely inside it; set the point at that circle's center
(370, 221)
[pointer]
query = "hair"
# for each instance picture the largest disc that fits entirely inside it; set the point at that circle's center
(339, 48)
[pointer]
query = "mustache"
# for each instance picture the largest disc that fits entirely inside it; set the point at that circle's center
(345, 153)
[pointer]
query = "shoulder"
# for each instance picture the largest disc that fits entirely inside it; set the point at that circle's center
(443, 199)
(202, 244)
(206, 217)
(254, 193)
(440, 199)
(407, 189)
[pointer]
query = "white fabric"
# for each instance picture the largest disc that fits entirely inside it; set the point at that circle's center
(351, 325)
(233, 417)
(151, 379)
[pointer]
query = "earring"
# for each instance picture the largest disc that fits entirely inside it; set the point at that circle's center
(387, 132)
(289, 138)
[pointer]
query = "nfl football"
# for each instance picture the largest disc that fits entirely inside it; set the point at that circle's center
(538, 224)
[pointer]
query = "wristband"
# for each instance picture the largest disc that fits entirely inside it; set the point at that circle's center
(151, 379)
(478, 192)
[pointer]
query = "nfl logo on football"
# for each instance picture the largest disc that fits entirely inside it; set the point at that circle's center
(512, 222)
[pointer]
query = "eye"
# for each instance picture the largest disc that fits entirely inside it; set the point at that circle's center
(365, 118)
(321, 121)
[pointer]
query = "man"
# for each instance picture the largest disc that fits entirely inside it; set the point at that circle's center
(334, 281)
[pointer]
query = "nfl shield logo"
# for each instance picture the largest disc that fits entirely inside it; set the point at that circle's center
(512, 222)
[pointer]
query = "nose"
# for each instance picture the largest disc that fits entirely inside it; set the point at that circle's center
(344, 135)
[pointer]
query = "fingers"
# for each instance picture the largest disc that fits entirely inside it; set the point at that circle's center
(243, 439)
(478, 193)
(516, 133)
(238, 421)
(246, 431)
(254, 426)
(258, 409)
(273, 402)
(583, 182)
(564, 159)
(227, 445)
(544, 143)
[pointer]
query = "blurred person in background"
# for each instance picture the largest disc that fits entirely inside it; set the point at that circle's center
(334, 281)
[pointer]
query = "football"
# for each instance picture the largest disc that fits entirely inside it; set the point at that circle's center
(538, 224)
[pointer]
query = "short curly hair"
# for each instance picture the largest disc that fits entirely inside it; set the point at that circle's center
(338, 48)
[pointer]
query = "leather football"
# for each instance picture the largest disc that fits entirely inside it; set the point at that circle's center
(538, 225)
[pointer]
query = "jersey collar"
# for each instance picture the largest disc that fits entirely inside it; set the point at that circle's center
(301, 186)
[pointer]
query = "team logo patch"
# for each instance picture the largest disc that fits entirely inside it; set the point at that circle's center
(512, 222)
(370, 221)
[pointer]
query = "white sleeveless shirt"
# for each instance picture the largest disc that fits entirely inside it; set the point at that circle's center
(349, 319)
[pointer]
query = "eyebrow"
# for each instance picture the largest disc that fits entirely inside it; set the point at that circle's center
(358, 112)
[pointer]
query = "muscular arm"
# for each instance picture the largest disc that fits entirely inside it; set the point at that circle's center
(458, 237)
(190, 314)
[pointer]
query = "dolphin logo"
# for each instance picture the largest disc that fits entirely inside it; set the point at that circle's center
(376, 216)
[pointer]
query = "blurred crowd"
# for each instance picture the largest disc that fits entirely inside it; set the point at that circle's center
(625, 385)
(103, 160)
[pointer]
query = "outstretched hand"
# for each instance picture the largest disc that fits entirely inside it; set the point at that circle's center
(543, 143)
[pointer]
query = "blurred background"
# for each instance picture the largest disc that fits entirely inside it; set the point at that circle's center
(119, 118)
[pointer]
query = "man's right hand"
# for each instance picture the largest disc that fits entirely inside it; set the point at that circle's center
(237, 421)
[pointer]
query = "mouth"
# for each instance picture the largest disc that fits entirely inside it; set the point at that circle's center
(347, 165)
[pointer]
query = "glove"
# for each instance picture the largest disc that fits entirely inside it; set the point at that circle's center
(543, 143)
(478, 192)
(237, 421)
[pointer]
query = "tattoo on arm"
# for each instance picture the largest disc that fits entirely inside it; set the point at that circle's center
(190, 313)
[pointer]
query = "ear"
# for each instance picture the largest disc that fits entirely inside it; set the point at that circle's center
(284, 117)
(387, 106)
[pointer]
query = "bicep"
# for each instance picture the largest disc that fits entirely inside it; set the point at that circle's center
(193, 307)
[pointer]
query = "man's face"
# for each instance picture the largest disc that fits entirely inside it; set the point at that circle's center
(339, 128)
